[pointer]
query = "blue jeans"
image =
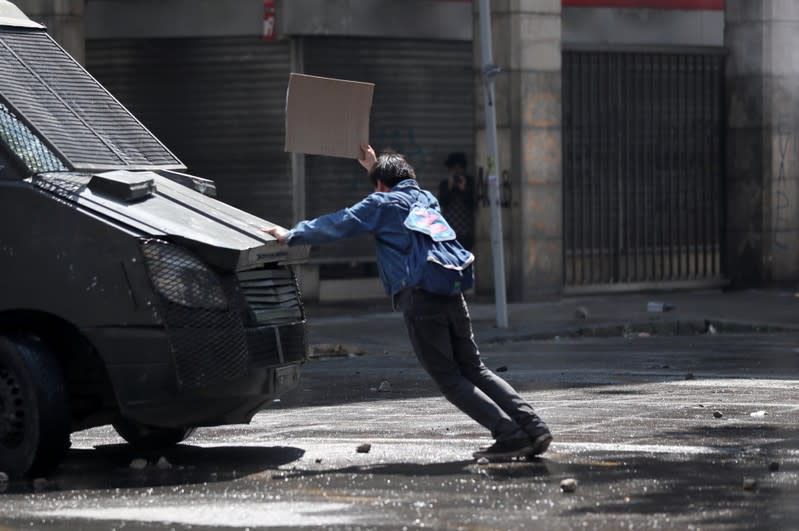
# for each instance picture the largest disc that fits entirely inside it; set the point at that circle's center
(440, 330)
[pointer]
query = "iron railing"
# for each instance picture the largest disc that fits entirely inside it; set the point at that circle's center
(642, 167)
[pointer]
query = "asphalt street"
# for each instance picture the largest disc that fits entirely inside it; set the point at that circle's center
(692, 432)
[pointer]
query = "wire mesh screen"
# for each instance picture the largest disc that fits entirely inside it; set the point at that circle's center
(76, 115)
(642, 166)
(27, 147)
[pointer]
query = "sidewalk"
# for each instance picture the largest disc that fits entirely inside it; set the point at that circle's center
(371, 327)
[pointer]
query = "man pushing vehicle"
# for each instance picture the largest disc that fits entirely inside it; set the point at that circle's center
(425, 270)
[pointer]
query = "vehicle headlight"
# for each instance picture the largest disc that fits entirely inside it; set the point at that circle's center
(182, 278)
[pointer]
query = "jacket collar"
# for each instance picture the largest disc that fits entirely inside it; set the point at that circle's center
(406, 185)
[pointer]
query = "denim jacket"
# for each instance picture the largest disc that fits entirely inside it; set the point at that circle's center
(383, 215)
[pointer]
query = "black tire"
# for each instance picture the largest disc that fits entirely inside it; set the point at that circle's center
(34, 408)
(145, 437)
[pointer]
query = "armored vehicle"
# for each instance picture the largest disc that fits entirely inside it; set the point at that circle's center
(129, 295)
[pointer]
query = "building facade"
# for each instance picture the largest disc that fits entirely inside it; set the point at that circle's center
(643, 143)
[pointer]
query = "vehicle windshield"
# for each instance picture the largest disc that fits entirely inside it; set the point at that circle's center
(26, 145)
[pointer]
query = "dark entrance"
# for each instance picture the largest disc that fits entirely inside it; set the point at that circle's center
(642, 168)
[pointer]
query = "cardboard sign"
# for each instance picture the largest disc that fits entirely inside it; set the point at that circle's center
(327, 116)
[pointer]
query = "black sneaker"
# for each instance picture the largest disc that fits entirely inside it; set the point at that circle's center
(516, 447)
(540, 436)
(541, 443)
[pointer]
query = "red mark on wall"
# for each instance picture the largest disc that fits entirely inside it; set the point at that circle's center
(269, 20)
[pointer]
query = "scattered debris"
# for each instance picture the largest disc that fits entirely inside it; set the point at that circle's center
(568, 485)
(384, 387)
(364, 448)
(581, 312)
(138, 464)
(503, 368)
(3, 477)
(39, 484)
(483, 461)
(750, 484)
(689, 376)
(718, 414)
(774, 466)
(757, 414)
(163, 464)
(658, 307)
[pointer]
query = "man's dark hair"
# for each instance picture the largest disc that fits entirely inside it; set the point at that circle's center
(391, 169)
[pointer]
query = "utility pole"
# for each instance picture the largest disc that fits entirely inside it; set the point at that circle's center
(490, 71)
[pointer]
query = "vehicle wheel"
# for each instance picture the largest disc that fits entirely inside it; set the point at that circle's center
(146, 437)
(34, 408)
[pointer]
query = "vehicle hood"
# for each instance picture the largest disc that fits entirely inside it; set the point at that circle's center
(224, 236)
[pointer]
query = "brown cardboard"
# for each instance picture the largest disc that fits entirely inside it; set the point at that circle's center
(327, 116)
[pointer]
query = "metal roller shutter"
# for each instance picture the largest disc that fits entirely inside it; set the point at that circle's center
(217, 103)
(423, 108)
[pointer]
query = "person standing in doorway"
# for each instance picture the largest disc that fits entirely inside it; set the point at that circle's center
(424, 270)
(456, 195)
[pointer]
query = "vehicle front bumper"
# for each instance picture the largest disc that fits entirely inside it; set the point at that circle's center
(224, 380)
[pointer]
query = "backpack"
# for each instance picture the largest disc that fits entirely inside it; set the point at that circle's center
(439, 263)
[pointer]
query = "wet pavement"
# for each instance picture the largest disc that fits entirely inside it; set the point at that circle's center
(693, 432)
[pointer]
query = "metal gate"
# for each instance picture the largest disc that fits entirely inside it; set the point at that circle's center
(642, 169)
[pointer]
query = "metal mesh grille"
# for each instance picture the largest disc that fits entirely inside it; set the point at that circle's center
(272, 295)
(70, 109)
(25, 145)
(263, 344)
(181, 278)
(206, 333)
(209, 345)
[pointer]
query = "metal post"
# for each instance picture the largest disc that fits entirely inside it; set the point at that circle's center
(490, 71)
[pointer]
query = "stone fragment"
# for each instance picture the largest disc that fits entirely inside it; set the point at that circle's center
(483, 461)
(712, 330)
(384, 387)
(581, 312)
(750, 484)
(774, 466)
(163, 464)
(718, 414)
(318, 460)
(3, 477)
(364, 448)
(757, 414)
(503, 368)
(138, 464)
(568, 485)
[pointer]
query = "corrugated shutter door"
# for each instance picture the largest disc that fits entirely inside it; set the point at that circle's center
(217, 103)
(423, 108)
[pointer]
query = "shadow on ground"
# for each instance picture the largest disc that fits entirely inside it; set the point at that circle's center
(109, 467)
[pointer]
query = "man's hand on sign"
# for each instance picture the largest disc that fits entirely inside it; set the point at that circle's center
(369, 158)
(279, 233)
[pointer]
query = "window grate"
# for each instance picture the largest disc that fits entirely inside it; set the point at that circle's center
(23, 143)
